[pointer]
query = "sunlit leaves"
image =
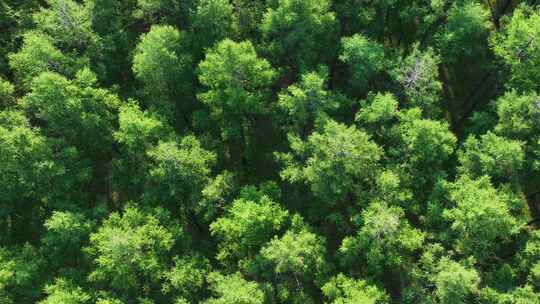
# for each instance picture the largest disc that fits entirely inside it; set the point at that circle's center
(517, 46)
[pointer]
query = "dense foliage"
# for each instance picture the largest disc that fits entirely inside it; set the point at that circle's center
(269, 151)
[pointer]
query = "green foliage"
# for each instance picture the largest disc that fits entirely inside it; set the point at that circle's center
(465, 32)
(334, 162)
(425, 147)
(298, 260)
(428, 142)
(161, 64)
(378, 113)
(364, 57)
(306, 102)
(178, 172)
(19, 274)
(343, 290)
(455, 283)
(517, 47)
(247, 225)
(69, 23)
(237, 85)
(15, 17)
(491, 155)
(298, 253)
(6, 94)
(129, 249)
(34, 167)
(65, 292)
(418, 77)
(480, 216)
(138, 132)
(38, 54)
(108, 24)
(216, 194)
(108, 301)
(66, 234)
(300, 33)
(76, 110)
(187, 277)
(213, 21)
(233, 289)
(269, 151)
(159, 10)
(386, 241)
(249, 15)
(517, 114)
(520, 295)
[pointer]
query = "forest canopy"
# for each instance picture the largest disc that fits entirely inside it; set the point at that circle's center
(269, 151)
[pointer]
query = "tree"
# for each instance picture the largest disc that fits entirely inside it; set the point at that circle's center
(23, 150)
(418, 77)
(162, 11)
(35, 169)
(343, 290)
(234, 289)
(517, 114)
(364, 58)
(269, 151)
(438, 278)
(63, 291)
(20, 272)
(399, 23)
(417, 149)
(248, 15)
(524, 294)
(38, 54)
(386, 242)
(109, 300)
(70, 25)
(67, 232)
(335, 162)
(465, 32)
(517, 47)
(377, 115)
(75, 110)
(300, 34)
(80, 114)
(480, 217)
(247, 225)
(297, 262)
(6, 94)
(236, 83)
(177, 173)
(138, 132)
(495, 156)
(161, 63)
(455, 283)
(212, 22)
(529, 259)
(129, 250)
(109, 20)
(217, 194)
(306, 102)
(187, 277)
(427, 141)
(425, 146)
(14, 19)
